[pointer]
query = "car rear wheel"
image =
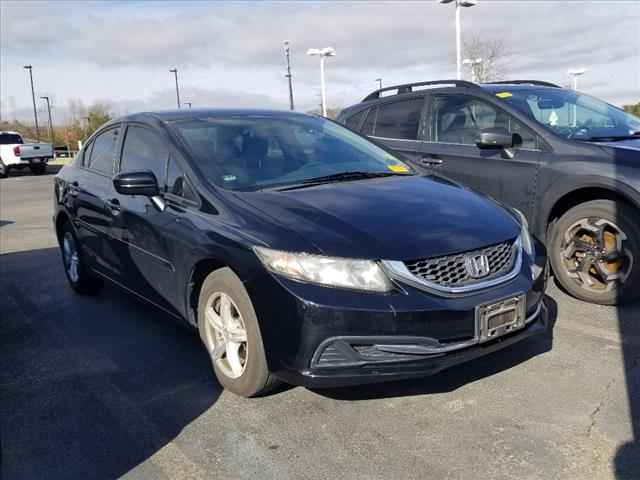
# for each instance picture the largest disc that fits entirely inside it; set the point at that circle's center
(595, 252)
(4, 171)
(229, 329)
(38, 168)
(79, 277)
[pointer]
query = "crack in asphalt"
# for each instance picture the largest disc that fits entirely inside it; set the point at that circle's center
(594, 414)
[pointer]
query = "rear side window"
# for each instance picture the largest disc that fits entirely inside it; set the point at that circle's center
(369, 127)
(399, 119)
(354, 121)
(144, 149)
(102, 151)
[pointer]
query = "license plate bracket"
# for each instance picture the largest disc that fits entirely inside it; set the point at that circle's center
(496, 319)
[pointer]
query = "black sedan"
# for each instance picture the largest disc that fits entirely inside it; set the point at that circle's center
(300, 250)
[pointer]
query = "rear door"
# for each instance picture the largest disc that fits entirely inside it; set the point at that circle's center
(398, 125)
(452, 128)
(91, 189)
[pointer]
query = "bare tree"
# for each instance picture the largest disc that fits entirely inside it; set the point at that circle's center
(494, 55)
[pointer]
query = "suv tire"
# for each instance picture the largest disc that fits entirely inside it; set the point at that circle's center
(598, 229)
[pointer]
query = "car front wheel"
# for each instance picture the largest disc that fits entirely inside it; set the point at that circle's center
(595, 252)
(229, 329)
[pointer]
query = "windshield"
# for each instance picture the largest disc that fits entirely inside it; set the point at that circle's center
(572, 115)
(253, 152)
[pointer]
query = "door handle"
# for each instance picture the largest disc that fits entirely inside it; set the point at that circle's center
(114, 206)
(431, 160)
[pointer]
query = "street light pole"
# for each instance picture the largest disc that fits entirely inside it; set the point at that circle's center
(379, 80)
(287, 54)
(322, 53)
(50, 122)
(175, 73)
(574, 73)
(459, 4)
(33, 97)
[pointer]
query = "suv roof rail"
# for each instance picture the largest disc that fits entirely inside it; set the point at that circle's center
(526, 82)
(408, 87)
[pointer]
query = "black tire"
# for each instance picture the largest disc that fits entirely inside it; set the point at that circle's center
(255, 379)
(85, 283)
(38, 168)
(4, 171)
(598, 213)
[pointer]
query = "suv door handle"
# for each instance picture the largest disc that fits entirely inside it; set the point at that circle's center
(432, 160)
(114, 206)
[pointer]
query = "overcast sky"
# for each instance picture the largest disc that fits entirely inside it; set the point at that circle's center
(230, 54)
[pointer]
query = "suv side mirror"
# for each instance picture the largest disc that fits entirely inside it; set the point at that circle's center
(495, 138)
(141, 182)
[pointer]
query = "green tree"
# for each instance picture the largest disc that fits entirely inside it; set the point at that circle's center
(633, 109)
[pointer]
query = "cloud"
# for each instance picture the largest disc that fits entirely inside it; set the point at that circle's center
(122, 50)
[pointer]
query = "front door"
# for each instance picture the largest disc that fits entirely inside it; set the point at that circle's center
(454, 123)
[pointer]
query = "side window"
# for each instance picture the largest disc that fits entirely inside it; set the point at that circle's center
(460, 119)
(84, 155)
(354, 121)
(177, 183)
(144, 149)
(102, 151)
(369, 127)
(399, 119)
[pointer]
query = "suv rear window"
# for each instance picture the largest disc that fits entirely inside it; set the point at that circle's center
(399, 119)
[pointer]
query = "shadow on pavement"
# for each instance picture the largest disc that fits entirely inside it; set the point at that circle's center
(89, 387)
(6, 222)
(455, 377)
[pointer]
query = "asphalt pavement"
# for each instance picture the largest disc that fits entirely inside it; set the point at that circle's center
(106, 387)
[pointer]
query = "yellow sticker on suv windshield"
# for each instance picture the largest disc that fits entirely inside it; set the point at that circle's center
(504, 94)
(398, 168)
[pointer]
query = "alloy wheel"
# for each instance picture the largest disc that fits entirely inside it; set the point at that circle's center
(226, 335)
(594, 254)
(71, 257)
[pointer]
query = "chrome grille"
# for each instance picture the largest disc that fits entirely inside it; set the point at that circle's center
(450, 271)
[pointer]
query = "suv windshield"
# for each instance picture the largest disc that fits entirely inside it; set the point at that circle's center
(572, 115)
(254, 152)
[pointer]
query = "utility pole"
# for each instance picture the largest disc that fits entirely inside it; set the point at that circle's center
(33, 97)
(50, 122)
(175, 73)
(287, 54)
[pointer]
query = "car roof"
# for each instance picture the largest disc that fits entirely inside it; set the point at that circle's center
(496, 87)
(170, 115)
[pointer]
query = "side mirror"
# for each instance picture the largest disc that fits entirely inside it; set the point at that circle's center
(142, 182)
(495, 138)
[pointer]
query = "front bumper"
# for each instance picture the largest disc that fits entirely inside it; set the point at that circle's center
(322, 337)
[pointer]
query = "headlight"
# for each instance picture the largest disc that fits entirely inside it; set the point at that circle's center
(330, 271)
(527, 240)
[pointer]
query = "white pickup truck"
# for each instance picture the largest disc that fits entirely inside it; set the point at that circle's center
(14, 153)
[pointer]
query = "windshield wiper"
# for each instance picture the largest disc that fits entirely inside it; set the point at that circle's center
(339, 177)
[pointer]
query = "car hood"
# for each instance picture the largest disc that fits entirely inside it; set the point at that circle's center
(393, 218)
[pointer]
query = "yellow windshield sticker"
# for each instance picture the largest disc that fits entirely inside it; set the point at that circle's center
(504, 94)
(398, 168)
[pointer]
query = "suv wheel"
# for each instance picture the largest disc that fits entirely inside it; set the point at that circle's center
(79, 277)
(229, 329)
(595, 252)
